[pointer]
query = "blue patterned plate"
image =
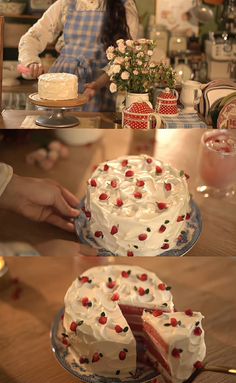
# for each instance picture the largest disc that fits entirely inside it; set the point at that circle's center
(64, 356)
(189, 236)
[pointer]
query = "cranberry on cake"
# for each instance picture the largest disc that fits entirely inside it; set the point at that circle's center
(175, 343)
(103, 316)
(137, 206)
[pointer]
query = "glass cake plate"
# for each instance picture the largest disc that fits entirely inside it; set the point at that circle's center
(144, 373)
(189, 236)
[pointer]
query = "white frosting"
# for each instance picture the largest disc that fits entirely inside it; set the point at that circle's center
(58, 86)
(182, 337)
(137, 215)
(93, 337)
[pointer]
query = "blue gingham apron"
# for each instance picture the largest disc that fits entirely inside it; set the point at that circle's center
(84, 55)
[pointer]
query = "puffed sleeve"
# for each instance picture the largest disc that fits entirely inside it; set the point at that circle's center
(6, 173)
(132, 18)
(44, 31)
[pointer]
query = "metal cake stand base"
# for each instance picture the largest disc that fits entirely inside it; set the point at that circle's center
(57, 119)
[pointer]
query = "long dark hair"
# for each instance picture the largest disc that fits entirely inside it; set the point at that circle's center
(115, 23)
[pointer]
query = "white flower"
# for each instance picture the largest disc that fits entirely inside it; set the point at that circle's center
(113, 87)
(125, 75)
(110, 49)
(135, 72)
(116, 68)
(138, 48)
(127, 59)
(139, 62)
(122, 48)
(140, 54)
(142, 41)
(152, 65)
(110, 56)
(129, 43)
(120, 41)
(119, 60)
(150, 52)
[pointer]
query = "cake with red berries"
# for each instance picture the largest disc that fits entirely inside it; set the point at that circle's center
(175, 343)
(103, 316)
(137, 206)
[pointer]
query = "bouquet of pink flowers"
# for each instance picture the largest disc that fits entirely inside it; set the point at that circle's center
(131, 67)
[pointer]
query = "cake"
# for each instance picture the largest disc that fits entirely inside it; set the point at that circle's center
(117, 315)
(102, 318)
(137, 206)
(58, 86)
(175, 343)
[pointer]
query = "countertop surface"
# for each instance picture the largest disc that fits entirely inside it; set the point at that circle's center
(178, 147)
(28, 309)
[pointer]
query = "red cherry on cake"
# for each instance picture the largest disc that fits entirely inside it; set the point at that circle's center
(176, 353)
(124, 163)
(162, 229)
(129, 173)
(87, 214)
(157, 313)
(165, 246)
(98, 234)
(162, 286)
(85, 301)
(161, 205)
(149, 160)
(115, 297)
(102, 320)
(103, 197)
(96, 357)
(141, 291)
(118, 329)
(105, 168)
(82, 360)
(180, 218)
(197, 331)
(119, 202)
(168, 186)
(188, 216)
(73, 326)
(122, 355)
(125, 274)
(114, 184)
(93, 183)
(158, 170)
(114, 230)
(130, 254)
(140, 183)
(198, 365)
(138, 195)
(143, 277)
(189, 312)
(84, 279)
(173, 322)
(187, 176)
(111, 284)
(142, 237)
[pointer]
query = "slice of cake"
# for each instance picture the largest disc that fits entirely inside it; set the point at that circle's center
(102, 320)
(58, 86)
(175, 343)
(137, 205)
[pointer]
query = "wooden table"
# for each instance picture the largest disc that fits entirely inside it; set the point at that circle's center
(12, 119)
(25, 323)
(179, 147)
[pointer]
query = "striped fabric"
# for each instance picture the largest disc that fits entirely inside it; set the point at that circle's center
(84, 55)
(186, 121)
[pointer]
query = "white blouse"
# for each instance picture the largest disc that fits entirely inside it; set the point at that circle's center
(6, 173)
(48, 28)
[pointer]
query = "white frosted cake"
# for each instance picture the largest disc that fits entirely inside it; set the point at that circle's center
(137, 206)
(175, 343)
(112, 311)
(102, 319)
(58, 86)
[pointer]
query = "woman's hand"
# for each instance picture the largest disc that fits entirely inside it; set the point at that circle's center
(90, 90)
(35, 70)
(41, 200)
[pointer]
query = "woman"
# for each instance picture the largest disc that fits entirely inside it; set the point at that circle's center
(87, 28)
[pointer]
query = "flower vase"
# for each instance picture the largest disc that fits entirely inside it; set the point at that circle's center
(137, 97)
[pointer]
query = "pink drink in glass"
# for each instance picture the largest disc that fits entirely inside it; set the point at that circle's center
(217, 161)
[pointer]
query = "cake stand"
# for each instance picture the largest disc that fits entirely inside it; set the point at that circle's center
(57, 118)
